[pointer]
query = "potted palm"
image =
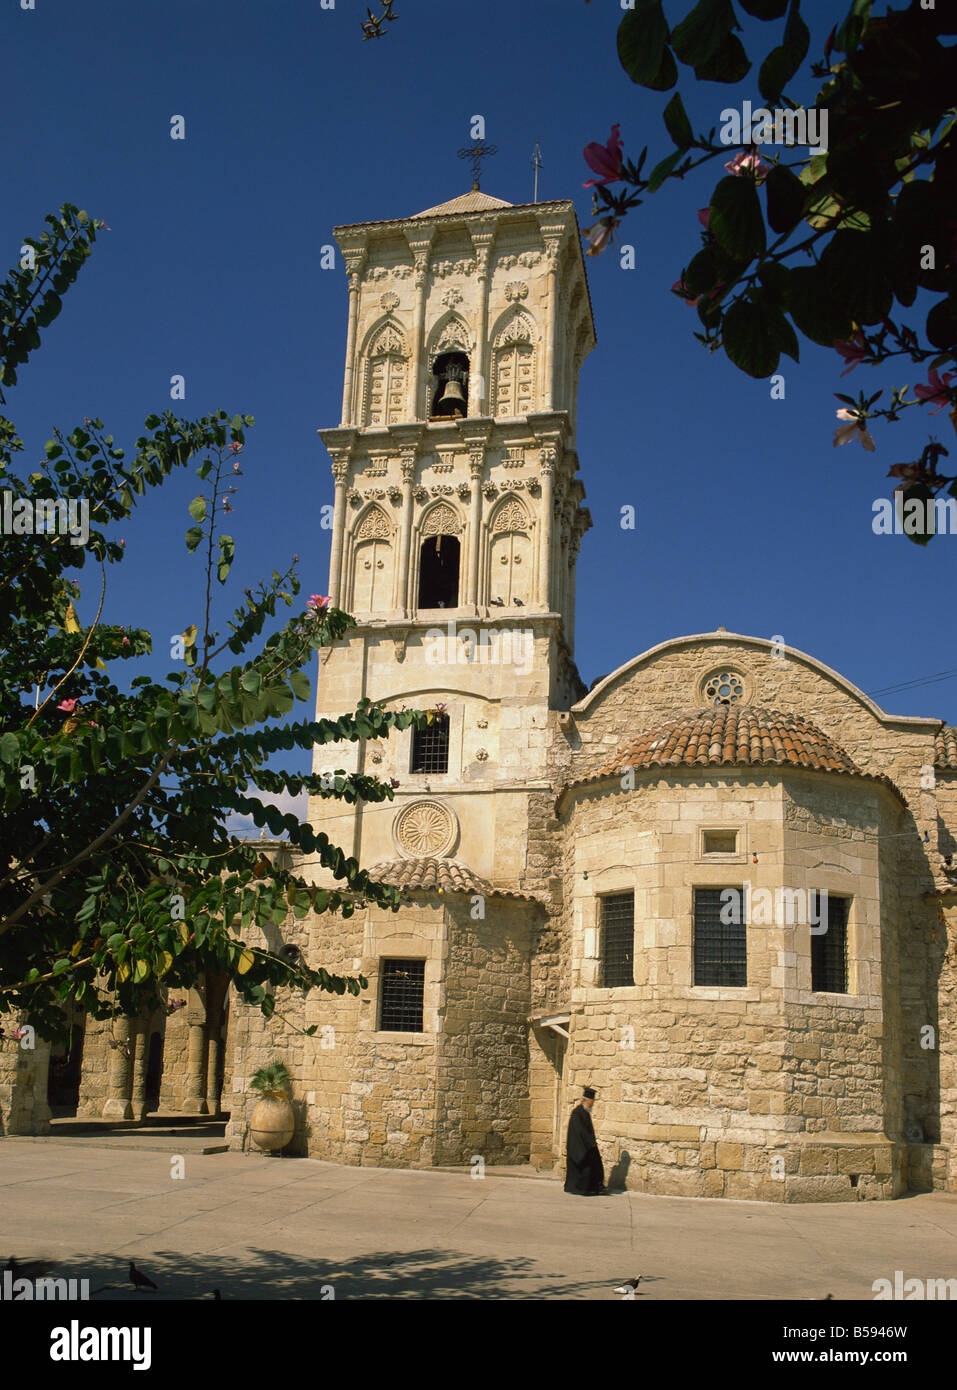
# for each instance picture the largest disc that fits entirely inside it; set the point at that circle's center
(272, 1122)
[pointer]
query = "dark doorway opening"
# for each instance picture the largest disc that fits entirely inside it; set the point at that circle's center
(439, 572)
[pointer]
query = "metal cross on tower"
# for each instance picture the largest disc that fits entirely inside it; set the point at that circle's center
(476, 153)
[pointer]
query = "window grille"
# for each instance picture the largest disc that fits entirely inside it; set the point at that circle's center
(430, 746)
(720, 947)
(618, 939)
(829, 948)
(402, 989)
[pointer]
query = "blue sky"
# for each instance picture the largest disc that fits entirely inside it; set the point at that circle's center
(747, 516)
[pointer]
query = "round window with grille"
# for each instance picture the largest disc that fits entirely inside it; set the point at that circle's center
(724, 688)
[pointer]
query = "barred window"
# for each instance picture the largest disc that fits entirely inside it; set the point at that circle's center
(430, 746)
(402, 989)
(829, 948)
(618, 939)
(720, 937)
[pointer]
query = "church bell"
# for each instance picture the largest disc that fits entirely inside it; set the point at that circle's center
(453, 396)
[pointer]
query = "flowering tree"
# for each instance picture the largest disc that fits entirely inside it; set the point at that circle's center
(818, 245)
(119, 876)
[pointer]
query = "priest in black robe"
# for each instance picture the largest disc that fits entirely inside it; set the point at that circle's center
(585, 1173)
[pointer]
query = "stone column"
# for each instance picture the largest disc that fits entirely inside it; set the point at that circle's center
(419, 246)
(119, 1105)
(476, 473)
(340, 473)
(354, 266)
(553, 242)
(140, 1043)
(405, 603)
(195, 1101)
(478, 384)
(547, 466)
(216, 986)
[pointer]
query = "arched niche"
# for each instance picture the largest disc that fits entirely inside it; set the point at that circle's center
(373, 562)
(514, 386)
(511, 555)
(385, 375)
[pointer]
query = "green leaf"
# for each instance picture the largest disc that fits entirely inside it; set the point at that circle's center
(677, 123)
(857, 275)
(785, 194)
(736, 221)
(642, 41)
(817, 315)
(751, 333)
(251, 681)
(197, 509)
(193, 537)
(701, 34)
(300, 684)
(661, 171)
(9, 748)
(667, 74)
(782, 63)
(729, 64)
(140, 971)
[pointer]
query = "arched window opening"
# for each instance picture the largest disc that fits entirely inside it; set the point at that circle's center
(439, 572)
(450, 386)
(430, 746)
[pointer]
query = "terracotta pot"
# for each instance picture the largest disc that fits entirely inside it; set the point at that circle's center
(272, 1124)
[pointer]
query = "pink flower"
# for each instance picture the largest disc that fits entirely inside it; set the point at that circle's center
(853, 350)
(704, 217)
(234, 448)
(125, 642)
(317, 602)
(68, 706)
(856, 429)
(750, 163)
(600, 235)
(604, 159)
(679, 287)
(936, 392)
(235, 467)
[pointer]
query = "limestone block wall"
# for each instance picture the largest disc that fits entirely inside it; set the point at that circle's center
(765, 1090)
(23, 1082)
(482, 1080)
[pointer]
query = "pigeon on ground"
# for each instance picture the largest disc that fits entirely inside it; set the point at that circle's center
(629, 1285)
(139, 1279)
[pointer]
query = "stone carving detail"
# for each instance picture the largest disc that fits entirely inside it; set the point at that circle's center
(421, 494)
(355, 497)
(511, 516)
(481, 754)
(374, 526)
(725, 687)
(382, 272)
(464, 490)
(395, 495)
(481, 723)
(526, 259)
(426, 828)
(453, 338)
(514, 456)
(442, 520)
(400, 638)
(462, 266)
(519, 329)
(389, 301)
(451, 298)
(517, 289)
(490, 490)
(442, 490)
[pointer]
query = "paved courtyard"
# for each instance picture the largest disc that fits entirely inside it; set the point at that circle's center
(257, 1227)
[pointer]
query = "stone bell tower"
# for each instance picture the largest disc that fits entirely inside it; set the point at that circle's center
(458, 517)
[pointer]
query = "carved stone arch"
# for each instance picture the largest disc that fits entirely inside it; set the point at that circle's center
(450, 333)
(372, 567)
(511, 555)
(385, 374)
(442, 519)
(374, 524)
(511, 514)
(513, 384)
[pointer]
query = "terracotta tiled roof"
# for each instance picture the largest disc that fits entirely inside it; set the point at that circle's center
(946, 746)
(439, 876)
(732, 735)
(474, 201)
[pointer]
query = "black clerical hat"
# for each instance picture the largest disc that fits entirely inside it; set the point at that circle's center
(588, 1093)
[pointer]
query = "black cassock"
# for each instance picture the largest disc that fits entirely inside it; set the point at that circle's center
(585, 1172)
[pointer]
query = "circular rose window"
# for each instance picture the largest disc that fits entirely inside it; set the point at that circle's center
(724, 688)
(425, 829)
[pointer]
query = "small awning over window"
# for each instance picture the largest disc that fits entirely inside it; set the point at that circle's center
(558, 1023)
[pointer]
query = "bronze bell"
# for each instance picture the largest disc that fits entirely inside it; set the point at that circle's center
(453, 395)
